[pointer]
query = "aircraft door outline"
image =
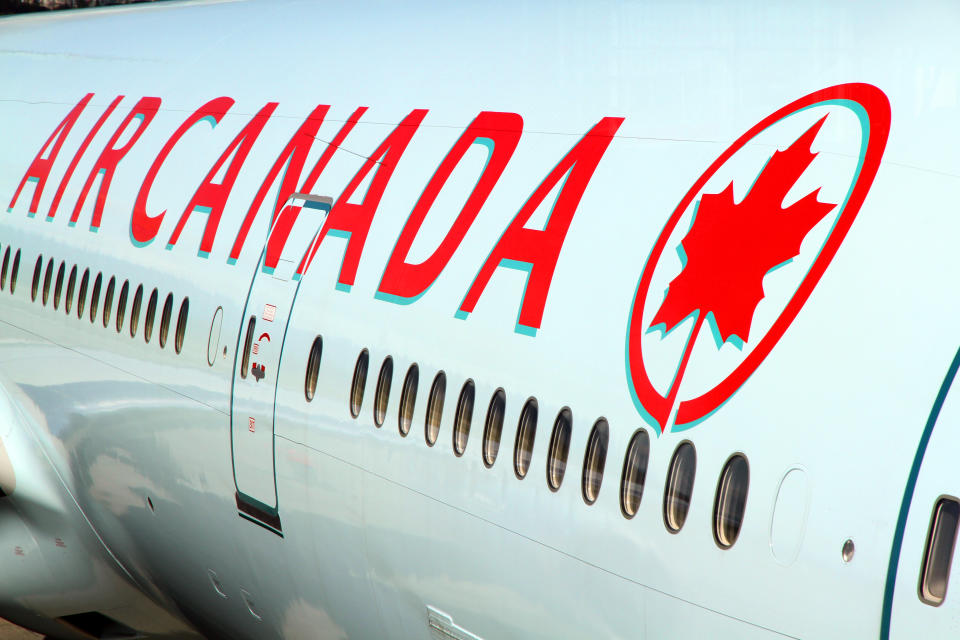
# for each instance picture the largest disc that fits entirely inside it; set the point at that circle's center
(253, 392)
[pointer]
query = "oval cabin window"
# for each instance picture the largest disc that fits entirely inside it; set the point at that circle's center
(247, 346)
(634, 473)
(3, 269)
(181, 325)
(313, 366)
(559, 448)
(438, 390)
(37, 271)
(382, 397)
(731, 501)
(359, 382)
(95, 298)
(135, 311)
(14, 271)
(165, 319)
(82, 296)
(595, 460)
(151, 314)
(71, 289)
(493, 428)
(122, 304)
(679, 487)
(526, 434)
(108, 301)
(463, 418)
(47, 279)
(938, 554)
(58, 288)
(408, 398)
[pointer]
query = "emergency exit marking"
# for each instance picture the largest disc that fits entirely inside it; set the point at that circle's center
(252, 424)
(269, 312)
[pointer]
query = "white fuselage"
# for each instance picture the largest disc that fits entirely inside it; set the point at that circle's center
(173, 491)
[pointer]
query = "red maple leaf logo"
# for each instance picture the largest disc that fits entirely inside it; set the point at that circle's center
(731, 246)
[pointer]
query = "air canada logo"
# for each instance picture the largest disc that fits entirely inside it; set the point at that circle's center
(744, 249)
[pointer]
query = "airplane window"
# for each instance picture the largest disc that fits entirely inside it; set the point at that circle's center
(108, 301)
(247, 342)
(941, 540)
(58, 289)
(313, 362)
(14, 271)
(37, 270)
(526, 433)
(463, 417)
(408, 398)
(559, 448)
(151, 313)
(3, 270)
(135, 310)
(595, 460)
(382, 396)
(182, 326)
(95, 297)
(82, 297)
(435, 408)
(165, 319)
(494, 427)
(634, 473)
(359, 382)
(679, 489)
(122, 304)
(731, 501)
(71, 287)
(47, 279)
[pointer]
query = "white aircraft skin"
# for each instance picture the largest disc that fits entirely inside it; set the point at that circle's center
(138, 501)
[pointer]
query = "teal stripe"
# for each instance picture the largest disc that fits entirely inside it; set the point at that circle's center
(908, 497)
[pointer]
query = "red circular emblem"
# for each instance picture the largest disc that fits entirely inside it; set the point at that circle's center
(720, 282)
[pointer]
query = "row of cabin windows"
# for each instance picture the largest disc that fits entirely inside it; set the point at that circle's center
(731, 494)
(53, 286)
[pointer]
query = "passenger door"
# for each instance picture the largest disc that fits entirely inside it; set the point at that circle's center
(270, 300)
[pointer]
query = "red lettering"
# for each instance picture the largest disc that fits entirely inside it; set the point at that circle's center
(143, 226)
(79, 154)
(145, 110)
(39, 169)
(355, 219)
(279, 237)
(294, 156)
(212, 197)
(501, 133)
(537, 251)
